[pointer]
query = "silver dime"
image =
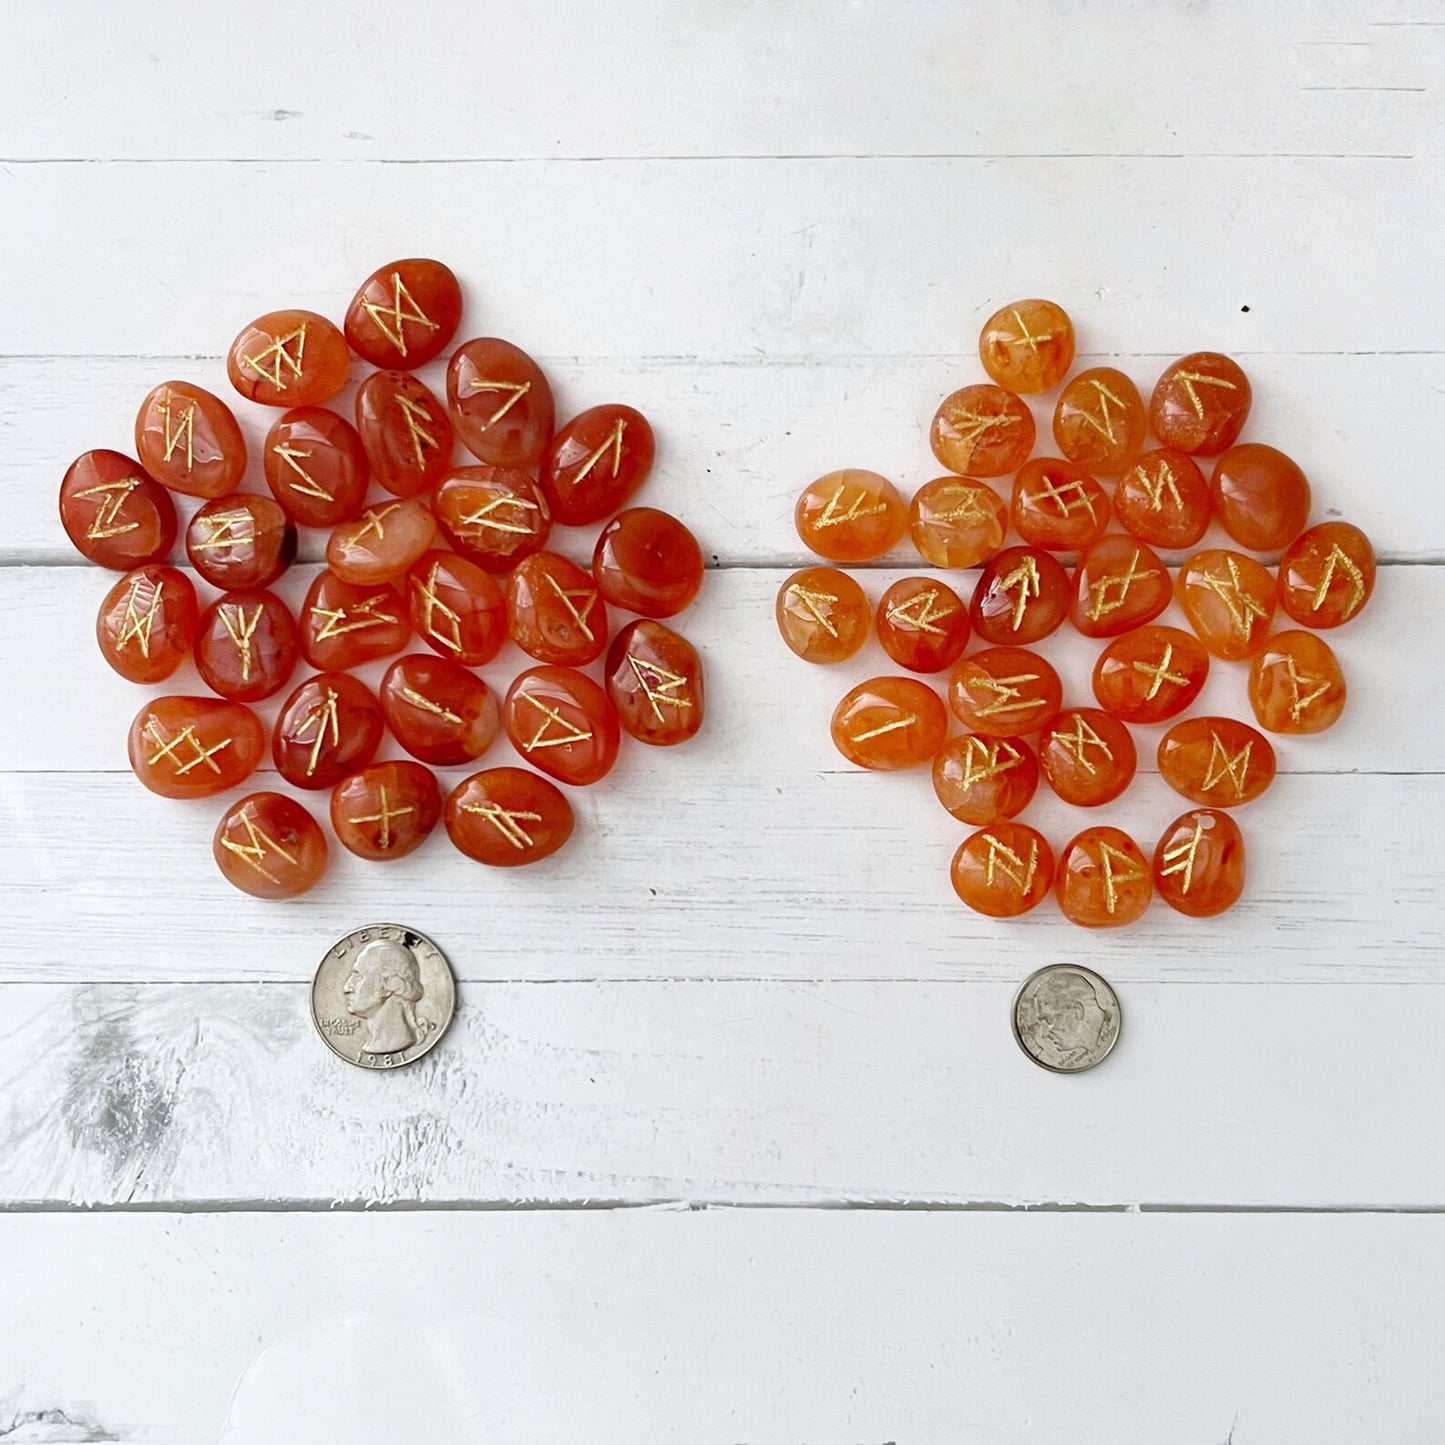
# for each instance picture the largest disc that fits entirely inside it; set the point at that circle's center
(1066, 1018)
(383, 996)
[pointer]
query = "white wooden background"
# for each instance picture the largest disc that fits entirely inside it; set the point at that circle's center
(775, 229)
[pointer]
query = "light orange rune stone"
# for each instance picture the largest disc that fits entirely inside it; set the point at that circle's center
(386, 810)
(1200, 403)
(1028, 345)
(1261, 497)
(1199, 863)
(850, 516)
(1059, 505)
(289, 358)
(269, 846)
(382, 543)
(194, 747)
(1327, 575)
(889, 723)
(1087, 756)
(1099, 421)
(1003, 691)
(1021, 596)
(1150, 674)
(1217, 761)
(823, 614)
(982, 431)
(1295, 684)
(1003, 870)
(985, 780)
(1118, 584)
(1163, 499)
(188, 440)
(1229, 601)
(957, 521)
(922, 624)
(1103, 880)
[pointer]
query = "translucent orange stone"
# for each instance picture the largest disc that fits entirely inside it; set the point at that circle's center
(438, 710)
(888, 723)
(595, 463)
(493, 515)
(315, 466)
(1056, 504)
(1003, 691)
(269, 846)
(1027, 345)
(1295, 684)
(957, 522)
(982, 431)
(1099, 421)
(1200, 403)
(382, 543)
(1327, 575)
(1261, 497)
(1118, 584)
(146, 623)
(405, 431)
(850, 516)
(507, 817)
(1199, 863)
(823, 615)
(922, 624)
(343, 625)
(1163, 499)
(456, 608)
(328, 727)
(289, 358)
(1103, 880)
(1087, 756)
(404, 314)
(1217, 761)
(562, 723)
(555, 611)
(648, 562)
(188, 440)
(500, 403)
(247, 645)
(1021, 596)
(386, 810)
(194, 747)
(1150, 674)
(984, 780)
(654, 678)
(241, 541)
(1229, 601)
(1003, 870)
(114, 513)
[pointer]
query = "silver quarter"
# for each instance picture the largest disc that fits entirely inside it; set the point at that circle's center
(1066, 1018)
(383, 996)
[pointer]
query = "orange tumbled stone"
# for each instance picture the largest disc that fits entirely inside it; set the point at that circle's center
(957, 521)
(438, 710)
(386, 810)
(404, 314)
(1261, 497)
(494, 515)
(850, 516)
(1003, 691)
(1099, 421)
(1327, 575)
(1087, 756)
(646, 561)
(982, 431)
(328, 727)
(1059, 505)
(1118, 584)
(241, 541)
(246, 645)
(1229, 601)
(507, 817)
(382, 543)
(1150, 674)
(146, 623)
(1103, 880)
(456, 608)
(1199, 863)
(654, 678)
(343, 625)
(188, 440)
(405, 431)
(289, 358)
(116, 515)
(555, 611)
(1021, 596)
(1200, 403)
(1295, 684)
(888, 723)
(500, 403)
(1217, 761)
(985, 780)
(1163, 499)
(922, 624)
(269, 846)
(595, 463)
(562, 723)
(1028, 345)
(194, 747)
(315, 466)
(1003, 870)
(823, 615)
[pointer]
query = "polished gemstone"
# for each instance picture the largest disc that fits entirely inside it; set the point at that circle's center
(386, 810)
(493, 515)
(823, 614)
(1199, 863)
(1118, 584)
(269, 846)
(382, 543)
(146, 623)
(114, 513)
(1003, 691)
(654, 678)
(1217, 761)
(500, 403)
(329, 726)
(1229, 601)
(888, 723)
(1028, 345)
(188, 440)
(1163, 499)
(405, 432)
(1103, 880)
(506, 817)
(195, 747)
(1087, 756)
(404, 314)
(646, 561)
(343, 625)
(850, 516)
(1200, 403)
(595, 463)
(982, 431)
(1327, 575)
(289, 358)
(1003, 870)
(1295, 684)
(247, 645)
(982, 780)
(922, 624)
(1058, 505)
(438, 710)
(957, 521)
(1021, 596)
(563, 723)
(241, 541)
(1261, 497)
(456, 608)
(1099, 421)
(1150, 674)
(315, 466)
(555, 611)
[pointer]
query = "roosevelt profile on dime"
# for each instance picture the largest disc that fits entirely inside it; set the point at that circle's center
(1066, 1018)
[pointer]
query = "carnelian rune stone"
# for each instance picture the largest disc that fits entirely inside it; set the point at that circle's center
(146, 623)
(1261, 497)
(984, 780)
(1327, 575)
(1295, 684)
(823, 615)
(194, 747)
(188, 440)
(328, 727)
(269, 846)
(982, 431)
(247, 645)
(382, 543)
(1087, 756)
(241, 541)
(500, 403)
(1150, 674)
(595, 463)
(850, 516)
(1103, 880)
(344, 625)
(646, 561)
(507, 817)
(1021, 596)
(1003, 691)
(1163, 499)
(555, 611)
(404, 314)
(116, 515)
(456, 608)
(889, 723)
(1003, 870)
(1217, 761)
(922, 624)
(1199, 863)
(438, 710)
(315, 466)
(1118, 584)
(1058, 505)
(957, 521)
(1027, 346)
(386, 810)
(494, 515)
(562, 723)
(1200, 403)
(289, 358)
(405, 431)
(654, 679)
(1229, 601)
(1099, 421)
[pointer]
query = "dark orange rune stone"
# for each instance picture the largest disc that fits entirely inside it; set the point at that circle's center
(1021, 596)
(595, 463)
(1200, 403)
(654, 678)
(1150, 674)
(1229, 601)
(500, 403)
(241, 541)
(456, 608)
(1087, 756)
(382, 543)
(922, 624)
(146, 623)
(506, 817)
(1099, 421)
(555, 611)
(405, 432)
(1118, 584)
(1217, 761)
(1003, 870)
(1261, 497)
(269, 846)
(492, 515)
(438, 710)
(1199, 863)
(188, 440)
(982, 431)
(562, 723)
(404, 314)
(1003, 691)
(1056, 504)
(985, 780)
(387, 810)
(1295, 684)
(957, 522)
(1027, 346)
(289, 358)
(114, 513)
(247, 645)
(1163, 499)
(823, 614)
(343, 625)
(1327, 575)
(850, 516)
(646, 561)
(328, 727)
(195, 747)
(315, 466)
(1103, 880)
(888, 723)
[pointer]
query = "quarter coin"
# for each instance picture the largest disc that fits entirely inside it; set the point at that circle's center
(1066, 1018)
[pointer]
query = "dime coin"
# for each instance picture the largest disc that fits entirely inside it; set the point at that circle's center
(1066, 1018)
(383, 996)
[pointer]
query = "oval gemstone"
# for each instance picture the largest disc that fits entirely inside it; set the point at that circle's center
(506, 817)
(386, 810)
(1199, 863)
(404, 314)
(982, 431)
(500, 403)
(1118, 584)
(1150, 674)
(595, 463)
(269, 846)
(983, 780)
(1217, 761)
(562, 723)
(1103, 880)
(1327, 575)
(654, 679)
(194, 747)
(1295, 684)
(889, 723)
(343, 625)
(957, 521)
(1099, 421)
(822, 614)
(241, 541)
(646, 561)
(1021, 596)
(1261, 497)
(1003, 691)
(1163, 499)
(922, 624)
(405, 432)
(438, 710)
(146, 623)
(850, 516)
(289, 358)
(115, 514)
(1200, 403)
(492, 515)
(1087, 756)
(1229, 601)
(555, 611)
(382, 542)
(328, 727)
(1003, 870)
(456, 608)
(1059, 505)
(1028, 345)
(247, 645)
(188, 440)
(315, 466)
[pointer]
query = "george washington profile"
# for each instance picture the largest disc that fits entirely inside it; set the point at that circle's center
(383, 988)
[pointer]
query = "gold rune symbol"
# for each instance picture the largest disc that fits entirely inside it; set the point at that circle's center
(1009, 693)
(167, 748)
(323, 716)
(660, 685)
(137, 625)
(568, 596)
(1162, 479)
(1026, 578)
(613, 443)
(280, 357)
(1340, 558)
(241, 629)
(1026, 336)
(1241, 605)
(1104, 422)
(366, 613)
(416, 414)
(1067, 496)
(417, 699)
(226, 532)
(186, 428)
(815, 602)
(984, 759)
(1180, 857)
(513, 390)
(507, 821)
(1118, 868)
(1159, 671)
(432, 604)
(375, 516)
(1222, 765)
(1300, 700)
(970, 506)
(103, 524)
(968, 427)
(551, 717)
(1080, 741)
(1102, 591)
(831, 517)
(1003, 859)
(308, 485)
(258, 848)
(483, 518)
(1190, 379)
(888, 727)
(921, 611)
(384, 814)
(396, 332)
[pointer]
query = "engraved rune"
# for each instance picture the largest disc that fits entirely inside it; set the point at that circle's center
(226, 532)
(1342, 560)
(280, 357)
(1159, 671)
(551, 717)
(815, 603)
(1026, 336)
(1241, 604)
(971, 506)
(1066, 496)
(888, 727)
(831, 517)
(137, 625)
(922, 611)
(1080, 741)
(103, 524)
(969, 428)
(384, 814)
(611, 443)
(1003, 859)
(507, 821)
(569, 596)
(513, 390)
(417, 699)
(308, 485)
(432, 605)
(323, 716)
(168, 749)
(1026, 578)
(241, 629)
(366, 613)
(258, 847)
(1118, 868)
(483, 518)
(1009, 692)
(186, 428)
(1190, 379)
(1300, 699)
(660, 685)
(420, 436)
(375, 516)
(1105, 598)
(381, 315)
(1180, 857)
(1104, 422)
(983, 759)
(1161, 480)
(1222, 765)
